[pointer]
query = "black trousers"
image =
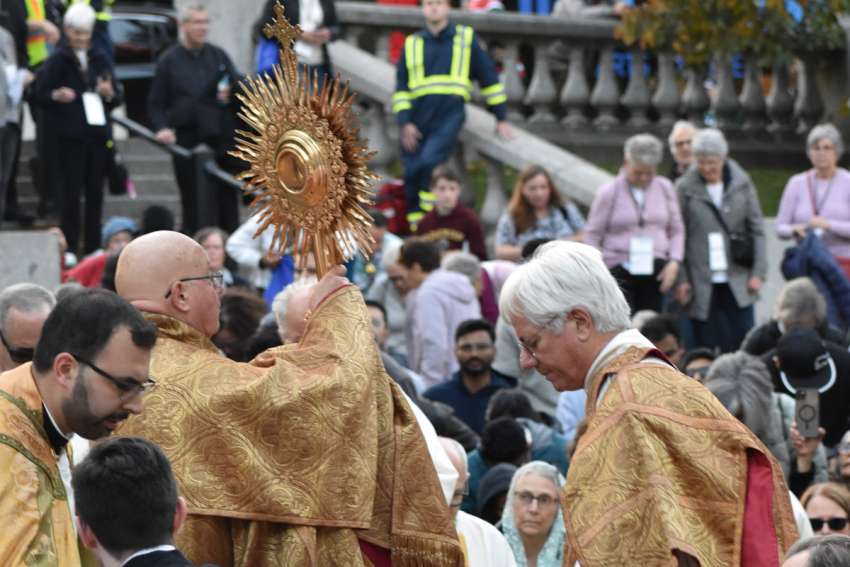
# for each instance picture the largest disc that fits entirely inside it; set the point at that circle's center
(80, 173)
(222, 201)
(641, 291)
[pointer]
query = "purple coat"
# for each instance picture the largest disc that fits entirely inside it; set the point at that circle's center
(615, 218)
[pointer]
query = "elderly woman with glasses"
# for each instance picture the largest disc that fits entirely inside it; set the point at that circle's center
(532, 520)
(828, 506)
(819, 199)
(725, 251)
(635, 222)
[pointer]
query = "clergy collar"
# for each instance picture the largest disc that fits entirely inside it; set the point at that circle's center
(57, 439)
(619, 343)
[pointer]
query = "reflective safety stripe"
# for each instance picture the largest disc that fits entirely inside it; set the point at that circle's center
(36, 42)
(414, 218)
(456, 83)
(401, 101)
(427, 200)
(494, 94)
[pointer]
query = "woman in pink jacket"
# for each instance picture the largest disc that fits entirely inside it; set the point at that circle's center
(636, 223)
(819, 199)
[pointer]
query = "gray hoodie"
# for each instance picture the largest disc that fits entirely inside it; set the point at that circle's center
(434, 311)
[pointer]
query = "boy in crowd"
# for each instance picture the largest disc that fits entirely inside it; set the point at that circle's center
(451, 224)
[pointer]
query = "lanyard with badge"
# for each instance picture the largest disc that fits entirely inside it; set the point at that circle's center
(641, 247)
(817, 206)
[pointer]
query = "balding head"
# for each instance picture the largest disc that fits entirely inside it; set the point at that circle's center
(165, 272)
(457, 456)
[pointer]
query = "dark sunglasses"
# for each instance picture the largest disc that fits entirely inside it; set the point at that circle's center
(19, 355)
(835, 524)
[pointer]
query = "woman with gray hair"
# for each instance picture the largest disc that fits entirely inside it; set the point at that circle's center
(76, 86)
(635, 222)
(532, 520)
(799, 305)
(819, 199)
(725, 253)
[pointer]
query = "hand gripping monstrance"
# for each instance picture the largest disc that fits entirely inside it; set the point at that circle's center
(308, 172)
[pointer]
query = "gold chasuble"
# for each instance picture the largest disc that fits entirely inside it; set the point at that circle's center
(290, 460)
(36, 527)
(663, 466)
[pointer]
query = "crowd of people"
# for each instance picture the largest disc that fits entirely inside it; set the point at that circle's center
(428, 407)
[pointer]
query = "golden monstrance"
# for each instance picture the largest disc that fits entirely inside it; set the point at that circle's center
(308, 174)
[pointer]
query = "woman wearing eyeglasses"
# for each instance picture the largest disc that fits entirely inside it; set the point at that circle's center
(532, 520)
(828, 506)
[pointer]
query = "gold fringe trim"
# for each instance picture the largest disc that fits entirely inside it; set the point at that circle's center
(418, 551)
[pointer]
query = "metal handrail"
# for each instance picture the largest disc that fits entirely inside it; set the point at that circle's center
(204, 168)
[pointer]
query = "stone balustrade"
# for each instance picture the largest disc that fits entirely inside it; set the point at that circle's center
(585, 82)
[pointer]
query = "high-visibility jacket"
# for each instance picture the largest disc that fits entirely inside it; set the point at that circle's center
(435, 72)
(36, 41)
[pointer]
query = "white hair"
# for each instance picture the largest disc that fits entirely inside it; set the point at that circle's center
(679, 125)
(541, 469)
(187, 11)
(25, 297)
(560, 277)
(80, 17)
(643, 149)
(391, 254)
(282, 299)
(826, 131)
(710, 143)
(463, 263)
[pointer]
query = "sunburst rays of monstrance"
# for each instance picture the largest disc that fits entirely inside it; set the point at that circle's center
(308, 174)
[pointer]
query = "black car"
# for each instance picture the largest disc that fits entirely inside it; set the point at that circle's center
(140, 32)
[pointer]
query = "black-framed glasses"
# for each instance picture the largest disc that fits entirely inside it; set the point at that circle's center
(19, 355)
(216, 280)
(835, 524)
(128, 387)
(543, 500)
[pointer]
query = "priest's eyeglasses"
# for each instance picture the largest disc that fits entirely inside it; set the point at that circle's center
(216, 280)
(530, 346)
(543, 500)
(128, 387)
(19, 355)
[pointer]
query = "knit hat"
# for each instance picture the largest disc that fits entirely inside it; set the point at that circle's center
(115, 225)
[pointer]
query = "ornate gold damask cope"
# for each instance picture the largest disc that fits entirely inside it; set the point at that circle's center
(308, 172)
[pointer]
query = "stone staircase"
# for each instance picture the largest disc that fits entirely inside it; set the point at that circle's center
(149, 167)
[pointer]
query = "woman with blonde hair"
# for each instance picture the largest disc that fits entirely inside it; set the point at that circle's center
(535, 211)
(828, 506)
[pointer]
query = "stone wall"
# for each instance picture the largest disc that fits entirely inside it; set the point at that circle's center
(231, 22)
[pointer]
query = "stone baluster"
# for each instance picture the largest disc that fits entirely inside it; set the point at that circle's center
(636, 98)
(541, 91)
(780, 103)
(809, 105)
(352, 35)
(666, 98)
(382, 45)
(375, 130)
(606, 94)
(576, 94)
(495, 201)
(695, 99)
(514, 89)
(725, 104)
(752, 98)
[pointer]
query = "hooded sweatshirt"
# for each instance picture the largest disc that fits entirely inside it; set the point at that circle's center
(434, 311)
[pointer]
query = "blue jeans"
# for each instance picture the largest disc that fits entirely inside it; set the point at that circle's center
(435, 147)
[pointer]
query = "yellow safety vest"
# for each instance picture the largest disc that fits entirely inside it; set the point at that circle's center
(419, 84)
(36, 41)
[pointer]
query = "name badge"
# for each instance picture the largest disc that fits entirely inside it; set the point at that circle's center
(717, 252)
(641, 258)
(93, 107)
(819, 232)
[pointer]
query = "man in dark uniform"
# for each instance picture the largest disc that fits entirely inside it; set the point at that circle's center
(188, 105)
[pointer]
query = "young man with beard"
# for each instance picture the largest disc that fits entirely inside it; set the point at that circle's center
(88, 374)
(469, 390)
